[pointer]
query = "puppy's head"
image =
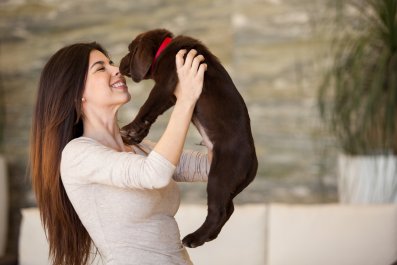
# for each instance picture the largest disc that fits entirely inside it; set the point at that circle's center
(136, 64)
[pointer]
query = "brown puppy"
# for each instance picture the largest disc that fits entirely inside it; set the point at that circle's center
(220, 116)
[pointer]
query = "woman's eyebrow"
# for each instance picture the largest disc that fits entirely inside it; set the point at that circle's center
(98, 62)
(102, 63)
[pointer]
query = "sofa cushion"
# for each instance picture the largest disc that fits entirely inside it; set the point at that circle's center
(332, 234)
(33, 246)
(241, 241)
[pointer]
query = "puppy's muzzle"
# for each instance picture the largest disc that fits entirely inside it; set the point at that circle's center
(125, 66)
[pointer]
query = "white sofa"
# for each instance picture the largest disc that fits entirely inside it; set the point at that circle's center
(271, 234)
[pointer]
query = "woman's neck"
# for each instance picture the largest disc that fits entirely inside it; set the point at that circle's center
(104, 129)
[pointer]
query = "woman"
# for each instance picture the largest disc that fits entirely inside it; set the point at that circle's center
(92, 190)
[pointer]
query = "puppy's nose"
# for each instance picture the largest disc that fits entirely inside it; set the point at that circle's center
(124, 66)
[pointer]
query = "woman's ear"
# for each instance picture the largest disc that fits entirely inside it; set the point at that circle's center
(141, 61)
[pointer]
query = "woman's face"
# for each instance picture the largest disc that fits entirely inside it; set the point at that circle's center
(105, 86)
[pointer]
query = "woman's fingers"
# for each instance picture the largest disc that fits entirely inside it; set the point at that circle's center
(196, 62)
(201, 70)
(179, 58)
(191, 62)
(189, 58)
(190, 72)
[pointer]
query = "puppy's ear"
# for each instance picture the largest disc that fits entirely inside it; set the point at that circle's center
(141, 61)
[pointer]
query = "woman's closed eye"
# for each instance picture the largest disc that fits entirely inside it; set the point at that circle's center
(101, 65)
(102, 68)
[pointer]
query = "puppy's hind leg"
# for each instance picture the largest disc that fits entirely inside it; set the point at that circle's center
(228, 176)
(240, 184)
(220, 205)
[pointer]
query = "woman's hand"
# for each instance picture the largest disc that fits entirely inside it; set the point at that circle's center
(190, 75)
(187, 91)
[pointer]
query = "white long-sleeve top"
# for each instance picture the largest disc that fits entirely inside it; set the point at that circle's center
(127, 201)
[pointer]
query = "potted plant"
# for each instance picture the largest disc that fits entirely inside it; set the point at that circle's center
(358, 99)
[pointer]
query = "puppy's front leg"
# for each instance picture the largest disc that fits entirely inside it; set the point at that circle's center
(160, 99)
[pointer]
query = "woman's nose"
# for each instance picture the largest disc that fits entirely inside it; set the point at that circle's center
(116, 71)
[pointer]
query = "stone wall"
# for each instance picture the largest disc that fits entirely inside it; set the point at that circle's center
(271, 48)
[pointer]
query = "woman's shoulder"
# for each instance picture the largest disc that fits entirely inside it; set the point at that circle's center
(81, 141)
(82, 152)
(74, 152)
(80, 145)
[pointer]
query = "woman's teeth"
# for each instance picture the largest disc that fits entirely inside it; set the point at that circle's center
(118, 84)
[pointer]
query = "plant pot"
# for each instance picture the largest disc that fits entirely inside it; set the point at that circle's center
(367, 179)
(3, 205)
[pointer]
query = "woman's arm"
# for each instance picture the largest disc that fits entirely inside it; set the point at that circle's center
(85, 161)
(191, 77)
(193, 166)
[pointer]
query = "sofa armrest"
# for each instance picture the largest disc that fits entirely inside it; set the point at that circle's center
(8, 260)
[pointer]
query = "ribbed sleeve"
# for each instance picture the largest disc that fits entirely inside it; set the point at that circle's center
(193, 166)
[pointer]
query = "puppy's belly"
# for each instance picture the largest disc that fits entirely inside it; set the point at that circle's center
(200, 128)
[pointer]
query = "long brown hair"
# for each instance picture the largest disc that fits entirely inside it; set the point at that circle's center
(57, 119)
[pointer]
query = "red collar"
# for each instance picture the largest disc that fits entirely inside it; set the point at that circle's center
(163, 45)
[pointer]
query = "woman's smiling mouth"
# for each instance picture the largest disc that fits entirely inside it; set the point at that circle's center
(120, 84)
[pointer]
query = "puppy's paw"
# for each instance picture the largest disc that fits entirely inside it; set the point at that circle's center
(134, 133)
(191, 241)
